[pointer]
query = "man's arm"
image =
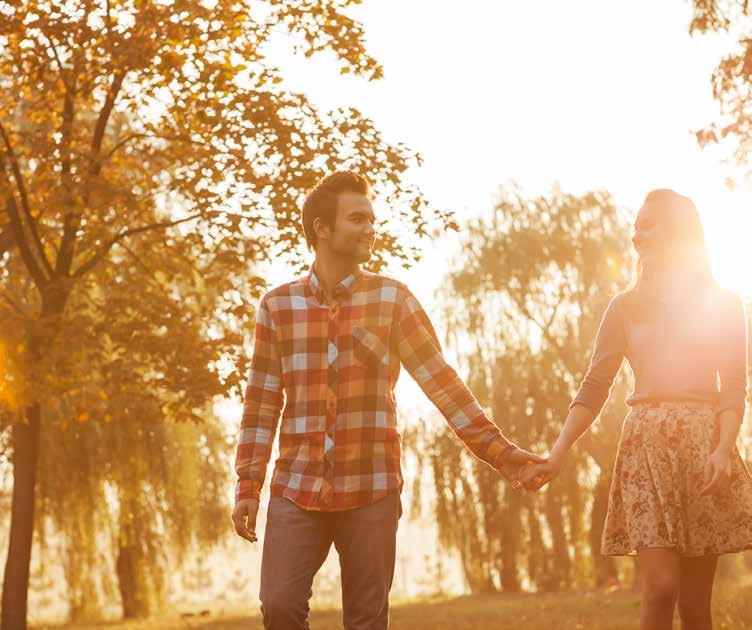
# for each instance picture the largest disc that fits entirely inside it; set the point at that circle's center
(420, 352)
(261, 411)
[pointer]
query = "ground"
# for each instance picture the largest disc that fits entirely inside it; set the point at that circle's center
(615, 610)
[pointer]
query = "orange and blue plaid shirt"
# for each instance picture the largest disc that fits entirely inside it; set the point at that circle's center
(333, 365)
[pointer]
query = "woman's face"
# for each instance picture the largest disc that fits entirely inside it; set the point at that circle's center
(652, 236)
(657, 239)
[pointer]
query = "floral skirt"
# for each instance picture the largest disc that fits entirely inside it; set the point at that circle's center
(655, 498)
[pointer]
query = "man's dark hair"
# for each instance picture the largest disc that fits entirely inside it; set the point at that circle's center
(322, 200)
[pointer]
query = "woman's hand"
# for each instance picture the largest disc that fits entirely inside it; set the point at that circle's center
(535, 476)
(515, 462)
(717, 471)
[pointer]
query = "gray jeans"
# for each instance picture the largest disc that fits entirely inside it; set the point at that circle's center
(296, 544)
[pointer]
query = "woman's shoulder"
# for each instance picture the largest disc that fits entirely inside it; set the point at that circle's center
(623, 299)
(727, 296)
(629, 305)
(728, 301)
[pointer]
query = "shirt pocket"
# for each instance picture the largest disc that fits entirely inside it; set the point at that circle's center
(371, 346)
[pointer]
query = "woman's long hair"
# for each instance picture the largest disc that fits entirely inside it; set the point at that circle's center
(685, 237)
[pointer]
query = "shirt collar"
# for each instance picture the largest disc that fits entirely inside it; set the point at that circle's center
(342, 291)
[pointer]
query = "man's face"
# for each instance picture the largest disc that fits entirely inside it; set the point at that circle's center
(353, 235)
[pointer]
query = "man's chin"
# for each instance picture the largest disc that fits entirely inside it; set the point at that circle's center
(357, 255)
(363, 255)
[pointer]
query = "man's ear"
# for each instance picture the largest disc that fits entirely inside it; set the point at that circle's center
(321, 229)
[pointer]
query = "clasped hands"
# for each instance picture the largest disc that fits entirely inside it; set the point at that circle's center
(528, 470)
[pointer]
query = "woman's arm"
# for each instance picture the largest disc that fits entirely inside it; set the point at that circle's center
(732, 370)
(730, 422)
(578, 421)
(608, 355)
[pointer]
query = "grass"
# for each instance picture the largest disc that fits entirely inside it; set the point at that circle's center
(616, 610)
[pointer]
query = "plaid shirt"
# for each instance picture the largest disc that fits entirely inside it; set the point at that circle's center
(334, 364)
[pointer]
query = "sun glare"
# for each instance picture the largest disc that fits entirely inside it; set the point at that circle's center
(728, 227)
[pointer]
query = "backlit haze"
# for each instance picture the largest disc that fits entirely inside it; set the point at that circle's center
(584, 95)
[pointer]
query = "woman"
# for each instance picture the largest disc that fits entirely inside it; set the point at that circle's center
(681, 494)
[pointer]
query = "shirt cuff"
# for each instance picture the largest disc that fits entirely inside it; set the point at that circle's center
(247, 489)
(498, 452)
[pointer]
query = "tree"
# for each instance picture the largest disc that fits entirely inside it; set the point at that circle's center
(732, 78)
(140, 138)
(132, 487)
(522, 306)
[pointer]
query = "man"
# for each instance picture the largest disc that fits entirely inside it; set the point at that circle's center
(330, 345)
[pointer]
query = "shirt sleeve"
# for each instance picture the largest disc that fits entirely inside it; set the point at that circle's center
(420, 352)
(732, 366)
(262, 406)
(608, 355)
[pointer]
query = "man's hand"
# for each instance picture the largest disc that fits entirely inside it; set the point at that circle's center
(717, 471)
(515, 462)
(244, 518)
(535, 476)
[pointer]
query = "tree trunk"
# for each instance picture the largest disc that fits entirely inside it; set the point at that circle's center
(25, 438)
(131, 592)
(537, 557)
(511, 531)
(562, 563)
(140, 577)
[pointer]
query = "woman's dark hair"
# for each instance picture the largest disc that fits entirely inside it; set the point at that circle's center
(321, 202)
(684, 233)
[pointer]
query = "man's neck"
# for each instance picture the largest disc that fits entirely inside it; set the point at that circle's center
(331, 270)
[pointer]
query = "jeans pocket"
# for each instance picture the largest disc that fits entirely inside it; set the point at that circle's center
(388, 509)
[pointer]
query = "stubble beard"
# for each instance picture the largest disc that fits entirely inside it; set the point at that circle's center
(355, 253)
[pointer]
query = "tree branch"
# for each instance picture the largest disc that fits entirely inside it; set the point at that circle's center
(55, 56)
(122, 143)
(6, 240)
(96, 258)
(70, 224)
(544, 328)
(73, 220)
(175, 138)
(16, 226)
(15, 306)
(21, 187)
(102, 120)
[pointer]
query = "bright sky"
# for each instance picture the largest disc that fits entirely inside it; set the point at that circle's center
(589, 94)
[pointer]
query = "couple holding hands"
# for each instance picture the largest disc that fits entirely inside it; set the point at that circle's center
(327, 353)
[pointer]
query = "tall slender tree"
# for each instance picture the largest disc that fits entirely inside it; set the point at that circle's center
(522, 306)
